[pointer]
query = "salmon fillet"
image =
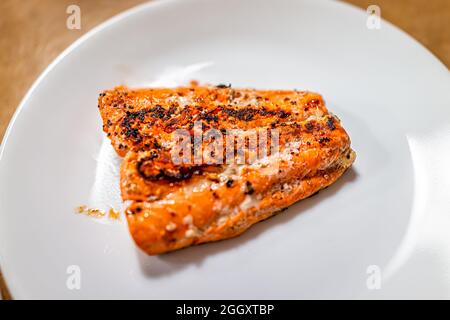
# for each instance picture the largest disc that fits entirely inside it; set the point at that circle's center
(247, 154)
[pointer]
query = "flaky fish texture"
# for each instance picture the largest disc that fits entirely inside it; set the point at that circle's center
(176, 205)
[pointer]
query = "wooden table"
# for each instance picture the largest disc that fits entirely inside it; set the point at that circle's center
(34, 32)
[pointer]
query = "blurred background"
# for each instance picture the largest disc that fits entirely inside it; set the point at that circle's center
(34, 32)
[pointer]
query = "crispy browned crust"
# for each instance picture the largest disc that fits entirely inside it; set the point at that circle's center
(175, 206)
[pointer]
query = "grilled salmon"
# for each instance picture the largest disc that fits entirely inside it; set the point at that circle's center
(204, 163)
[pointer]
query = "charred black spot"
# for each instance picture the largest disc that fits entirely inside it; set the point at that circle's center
(249, 188)
(248, 113)
(127, 125)
(330, 124)
(156, 144)
(208, 117)
(134, 134)
(172, 175)
(264, 112)
(158, 112)
(153, 155)
(245, 114)
(324, 140)
(283, 114)
(309, 126)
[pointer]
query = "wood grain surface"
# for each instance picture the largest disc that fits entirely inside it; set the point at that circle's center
(34, 32)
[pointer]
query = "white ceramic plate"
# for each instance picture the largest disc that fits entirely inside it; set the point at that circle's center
(389, 213)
